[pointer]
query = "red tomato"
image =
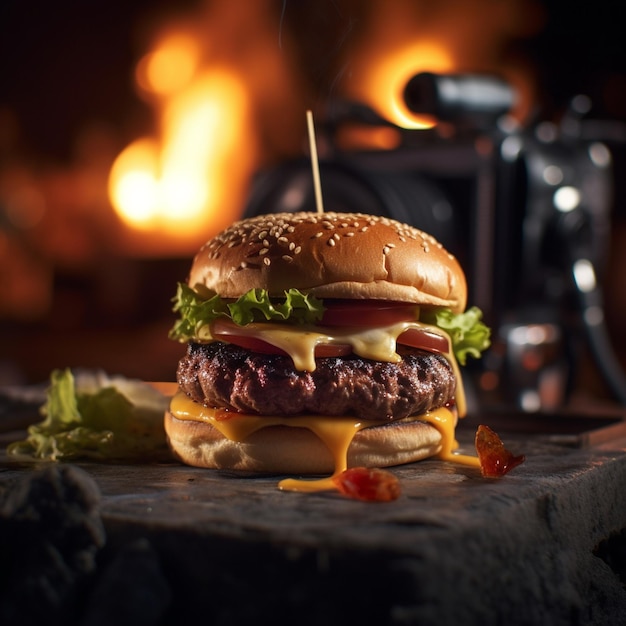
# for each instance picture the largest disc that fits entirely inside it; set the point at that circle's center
(424, 340)
(250, 343)
(415, 338)
(230, 332)
(258, 345)
(367, 313)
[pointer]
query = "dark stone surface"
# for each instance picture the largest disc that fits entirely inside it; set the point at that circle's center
(50, 534)
(545, 544)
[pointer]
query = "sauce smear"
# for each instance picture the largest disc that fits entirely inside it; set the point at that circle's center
(495, 459)
(368, 484)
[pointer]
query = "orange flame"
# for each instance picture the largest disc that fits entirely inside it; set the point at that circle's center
(381, 86)
(179, 184)
(170, 67)
(203, 82)
(384, 84)
(401, 38)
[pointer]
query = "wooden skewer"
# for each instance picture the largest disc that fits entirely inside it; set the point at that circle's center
(314, 163)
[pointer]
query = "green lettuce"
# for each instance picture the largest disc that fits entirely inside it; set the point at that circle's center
(98, 417)
(469, 335)
(195, 311)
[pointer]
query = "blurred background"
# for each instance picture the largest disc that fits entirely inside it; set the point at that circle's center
(131, 132)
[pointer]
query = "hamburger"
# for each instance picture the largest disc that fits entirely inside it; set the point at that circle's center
(318, 342)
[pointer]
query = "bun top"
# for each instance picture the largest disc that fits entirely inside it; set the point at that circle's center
(330, 255)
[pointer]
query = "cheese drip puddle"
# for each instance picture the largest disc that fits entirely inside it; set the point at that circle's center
(339, 437)
(336, 433)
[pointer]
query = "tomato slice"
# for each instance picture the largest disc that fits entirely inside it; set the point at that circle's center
(251, 343)
(230, 332)
(258, 345)
(424, 340)
(418, 338)
(367, 313)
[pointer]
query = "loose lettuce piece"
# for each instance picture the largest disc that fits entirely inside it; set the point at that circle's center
(98, 417)
(196, 311)
(469, 335)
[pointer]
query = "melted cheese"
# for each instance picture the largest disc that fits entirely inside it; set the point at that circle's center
(336, 433)
(444, 421)
(376, 344)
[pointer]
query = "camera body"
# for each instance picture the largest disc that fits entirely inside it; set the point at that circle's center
(519, 207)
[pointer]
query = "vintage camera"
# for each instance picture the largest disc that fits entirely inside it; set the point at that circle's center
(525, 209)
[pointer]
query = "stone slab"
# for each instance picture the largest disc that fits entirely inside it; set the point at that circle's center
(545, 544)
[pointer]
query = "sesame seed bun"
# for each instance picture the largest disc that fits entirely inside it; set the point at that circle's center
(331, 255)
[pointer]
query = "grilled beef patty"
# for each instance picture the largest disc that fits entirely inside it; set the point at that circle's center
(225, 376)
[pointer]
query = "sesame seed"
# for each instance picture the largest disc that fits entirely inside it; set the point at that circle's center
(287, 258)
(268, 231)
(336, 237)
(267, 260)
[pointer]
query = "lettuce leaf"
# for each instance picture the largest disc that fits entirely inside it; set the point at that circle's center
(469, 335)
(98, 417)
(256, 305)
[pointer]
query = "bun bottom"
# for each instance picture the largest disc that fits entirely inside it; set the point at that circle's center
(293, 450)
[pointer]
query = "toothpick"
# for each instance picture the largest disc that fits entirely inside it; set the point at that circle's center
(314, 163)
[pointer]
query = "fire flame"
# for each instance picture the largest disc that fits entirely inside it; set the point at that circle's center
(229, 95)
(181, 184)
(389, 75)
(170, 67)
(402, 38)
